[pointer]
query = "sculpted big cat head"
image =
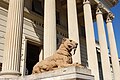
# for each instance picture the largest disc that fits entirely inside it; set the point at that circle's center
(69, 44)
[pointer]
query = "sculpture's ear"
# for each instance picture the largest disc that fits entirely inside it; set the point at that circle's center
(63, 40)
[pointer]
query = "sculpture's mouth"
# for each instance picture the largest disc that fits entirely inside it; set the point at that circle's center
(75, 48)
(74, 51)
(72, 47)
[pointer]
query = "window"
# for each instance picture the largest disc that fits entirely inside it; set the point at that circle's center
(0, 66)
(82, 28)
(37, 7)
(57, 17)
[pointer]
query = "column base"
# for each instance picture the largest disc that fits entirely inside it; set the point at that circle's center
(9, 74)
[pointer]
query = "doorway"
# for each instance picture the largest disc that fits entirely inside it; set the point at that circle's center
(32, 56)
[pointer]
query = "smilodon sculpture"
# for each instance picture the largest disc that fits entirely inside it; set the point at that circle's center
(61, 58)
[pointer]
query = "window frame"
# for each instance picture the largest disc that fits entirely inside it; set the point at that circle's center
(24, 52)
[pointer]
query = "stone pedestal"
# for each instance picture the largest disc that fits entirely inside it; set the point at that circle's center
(69, 73)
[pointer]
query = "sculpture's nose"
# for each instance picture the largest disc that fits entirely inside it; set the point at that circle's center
(76, 43)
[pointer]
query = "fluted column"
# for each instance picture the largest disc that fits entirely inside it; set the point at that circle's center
(73, 27)
(13, 39)
(103, 46)
(49, 27)
(90, 39)
(113, 49)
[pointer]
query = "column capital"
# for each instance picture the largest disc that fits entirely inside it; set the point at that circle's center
(110, 17)
(86, 2)
(99, 8)
(98, 11)
(100, 5)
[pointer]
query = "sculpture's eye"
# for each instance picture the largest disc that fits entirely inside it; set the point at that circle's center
(70, 40)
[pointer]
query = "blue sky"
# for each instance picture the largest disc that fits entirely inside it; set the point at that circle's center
(116, 26)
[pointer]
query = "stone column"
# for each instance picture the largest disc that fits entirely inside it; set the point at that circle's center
(41, 55)
(73, 27)
(13, 39)
(49, 27)
(103, 46)
(113, 49)
(90, 40)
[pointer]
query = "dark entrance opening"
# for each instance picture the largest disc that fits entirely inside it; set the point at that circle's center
(33, 52)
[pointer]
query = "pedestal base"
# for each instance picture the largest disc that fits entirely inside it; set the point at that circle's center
(68, 73)
(9, 74)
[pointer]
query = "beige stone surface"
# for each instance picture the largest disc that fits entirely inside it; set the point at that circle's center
(33, 26)
(61, 58)
(113, 48)
(49, 27)
(73, 31)
(68, 73)
(103, 46)
(90, 40)
(13, 39)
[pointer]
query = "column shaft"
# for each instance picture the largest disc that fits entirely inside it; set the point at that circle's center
(90, 40)
(41, 57)
(49, 28)
(73, 27)
(113, 50)
(13, 38)
(103, 47)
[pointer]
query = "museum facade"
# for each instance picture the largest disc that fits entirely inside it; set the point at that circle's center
(31, 30)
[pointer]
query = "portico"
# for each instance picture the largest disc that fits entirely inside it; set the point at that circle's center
(13, 43)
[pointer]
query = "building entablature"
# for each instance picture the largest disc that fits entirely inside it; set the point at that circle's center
(105, 4)
(61, 6)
